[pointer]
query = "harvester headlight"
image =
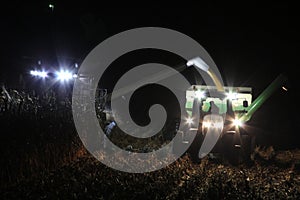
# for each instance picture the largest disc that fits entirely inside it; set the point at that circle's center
(231, 95)
(189, 120)
(206, 124)
(200, 94)
(237, 122)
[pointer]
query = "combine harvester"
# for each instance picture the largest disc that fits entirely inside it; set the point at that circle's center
(218, 116)
(224, 112)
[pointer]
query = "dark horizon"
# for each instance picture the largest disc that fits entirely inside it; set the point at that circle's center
(262, 40)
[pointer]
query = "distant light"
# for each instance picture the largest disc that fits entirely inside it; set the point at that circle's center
(41, 74)
(75, 75)
(200, 94)
(189, 120)
(34, 72)
(51, 6)
(76, 65)
(231, 95)
(284, 88)
(237, 122)
(64, 75)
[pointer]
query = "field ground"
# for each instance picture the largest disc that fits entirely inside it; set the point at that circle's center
(271, 176)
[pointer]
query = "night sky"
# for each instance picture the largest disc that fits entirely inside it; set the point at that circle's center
(250, 45)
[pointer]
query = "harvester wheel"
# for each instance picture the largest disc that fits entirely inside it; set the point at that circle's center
(231, 148)
(248, 146)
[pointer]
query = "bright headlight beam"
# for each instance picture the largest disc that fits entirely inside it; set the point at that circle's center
(237, 122)
(231, 95)
(200, 94)
(41, 74)
(189, 120)
(34, 72)
(64, 75)
(206, 124)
